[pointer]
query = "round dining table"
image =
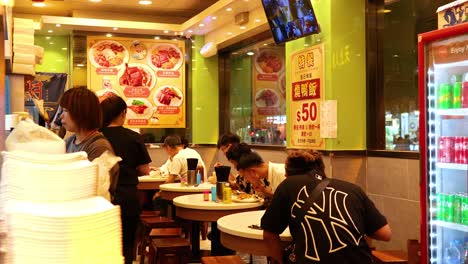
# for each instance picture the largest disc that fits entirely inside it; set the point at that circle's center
(169, 191)
(150, 183)
(193, 207)
(237, 233)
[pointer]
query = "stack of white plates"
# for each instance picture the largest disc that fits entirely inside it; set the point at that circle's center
(83, 231)
(26, 181)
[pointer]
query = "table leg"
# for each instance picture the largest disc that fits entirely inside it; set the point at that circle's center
(217, 249)
(195, 239)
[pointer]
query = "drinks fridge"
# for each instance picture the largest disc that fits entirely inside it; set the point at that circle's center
(443, 99)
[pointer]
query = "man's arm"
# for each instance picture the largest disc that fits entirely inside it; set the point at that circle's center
(384, 233)
(276, 251)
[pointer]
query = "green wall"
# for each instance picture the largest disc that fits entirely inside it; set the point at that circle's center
(56, 53)
(343, 32)
(240, 97)
(205, 96)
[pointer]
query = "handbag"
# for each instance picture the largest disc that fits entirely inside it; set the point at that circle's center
(289, 253)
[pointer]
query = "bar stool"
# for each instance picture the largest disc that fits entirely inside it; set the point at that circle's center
(148, 224)
(160, 233)
(234, 259)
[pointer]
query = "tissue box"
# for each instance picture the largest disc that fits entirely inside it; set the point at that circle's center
(452, 14)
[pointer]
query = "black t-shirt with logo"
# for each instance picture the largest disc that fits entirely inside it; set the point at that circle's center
(333, 229)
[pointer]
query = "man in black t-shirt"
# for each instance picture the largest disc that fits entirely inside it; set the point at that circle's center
(333, 228)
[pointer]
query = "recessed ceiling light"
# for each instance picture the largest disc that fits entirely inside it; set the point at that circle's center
(306, 45)
(189, 31)
(38, 4)
(265, 44)
(229, 33)
(166, 31)
(174, 39)
(58, 25)
(108, 35)
(250, 53)
(214, 17)
(229, 9)
(257, 20)
(50, 31)
(201, 25)
(145, 2)
(64, 48)
(95, 1)
(116, 28)
(156, 37)
(47, 37)
(80, 65)
(243, 27)
(51, 43)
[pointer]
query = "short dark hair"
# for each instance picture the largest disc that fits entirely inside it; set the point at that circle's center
(229, 138)
(302, 161)
(248, 160)
(236, 151)
(83, 107)
(111, 108)
(172, 141)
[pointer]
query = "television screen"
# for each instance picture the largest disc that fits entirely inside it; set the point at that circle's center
(290, 19)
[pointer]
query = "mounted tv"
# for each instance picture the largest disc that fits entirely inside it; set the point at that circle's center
(290, 19)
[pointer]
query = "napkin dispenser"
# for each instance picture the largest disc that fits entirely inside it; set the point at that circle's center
(192, 171)
(222, 177)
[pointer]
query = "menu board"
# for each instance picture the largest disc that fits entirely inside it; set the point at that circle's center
(307, 94)
(269, 85)
(148, 74)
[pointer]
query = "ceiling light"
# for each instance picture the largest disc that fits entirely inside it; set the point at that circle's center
(50, 31)
(250, 53)
(166, 31)
(229, 9)
(47, 37)
(80, 65)
(95, 1)
(265, 44)
(51, 43)
(116, 28)
(243, 27)
(58, 25)
(64, 48)
(108, 35)
(189, 31)
(38, 3)
(229, 33)
(156, 37)
(214, 17)
(145, 2)
(201, 25)
(257, 20)
(174, 39)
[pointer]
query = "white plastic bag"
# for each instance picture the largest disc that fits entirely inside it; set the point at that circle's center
(107, 174)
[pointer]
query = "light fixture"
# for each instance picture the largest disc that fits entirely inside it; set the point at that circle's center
(38, 3)
(116, 28)
(257, 20)
(243, 27)
(156, 37)
(229, 33)
(229, 9)
(145, 2)
(47, 37)
(201, 25)
(250, 53)
(50, 31)
(108, 35)
(189, 31)
(214, 17)
(58, 25)
(166, 31)
(64, 48)
(80, 65)
(95, 1)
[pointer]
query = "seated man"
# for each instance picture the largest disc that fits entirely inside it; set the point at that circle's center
(176, 165)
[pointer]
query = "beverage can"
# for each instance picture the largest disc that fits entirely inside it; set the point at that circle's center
(213, 193)
(457, 200)
(465, 150)
(457, 95)
(464, 93)
(449, 207)
(440, 213)
(457, 149)
(464, 209)
(444, 100)
(446, 149)
(227, 195)
(206, 196)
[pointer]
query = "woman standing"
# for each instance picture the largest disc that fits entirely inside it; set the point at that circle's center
(135, 162)
(81, 114)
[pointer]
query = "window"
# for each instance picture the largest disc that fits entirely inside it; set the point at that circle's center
(393, 27)
(255, 93)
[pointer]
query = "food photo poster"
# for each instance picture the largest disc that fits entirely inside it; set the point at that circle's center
(148, 74)
(269, 85)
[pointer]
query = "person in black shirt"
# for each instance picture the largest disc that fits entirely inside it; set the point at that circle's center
(333, 229)
(129, 146)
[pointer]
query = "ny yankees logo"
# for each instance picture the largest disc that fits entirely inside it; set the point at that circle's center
(330, 219)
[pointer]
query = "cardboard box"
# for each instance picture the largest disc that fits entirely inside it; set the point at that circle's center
(452, 14)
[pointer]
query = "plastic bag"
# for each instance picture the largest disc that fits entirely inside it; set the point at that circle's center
(108, 174)
(30, 137)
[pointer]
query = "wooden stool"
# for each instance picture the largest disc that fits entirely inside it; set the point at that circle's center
(170, 250)
(148, 224)
(150, 213)
(389, 256)
(165, 232)
(222, 260)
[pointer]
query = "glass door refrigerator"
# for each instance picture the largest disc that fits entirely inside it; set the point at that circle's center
(443, 99)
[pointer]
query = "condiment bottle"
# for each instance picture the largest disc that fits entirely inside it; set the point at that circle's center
(206, 195)
(227, 195)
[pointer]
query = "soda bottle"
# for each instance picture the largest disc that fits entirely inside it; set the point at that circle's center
(449, 207)
(456, 80)
(440, 213)
(457, 212)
